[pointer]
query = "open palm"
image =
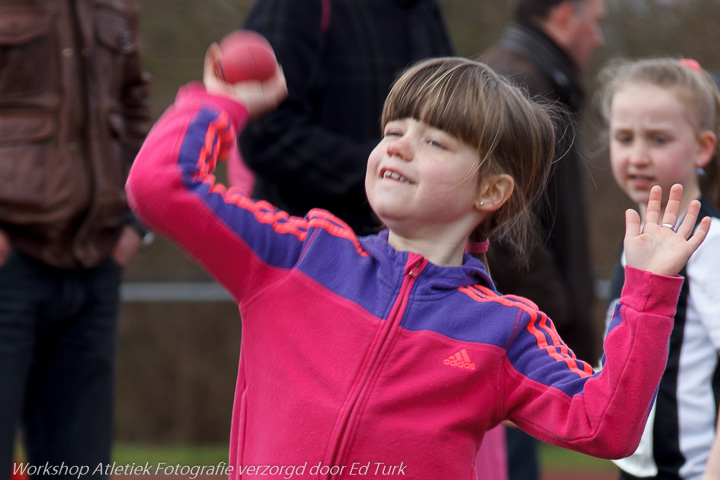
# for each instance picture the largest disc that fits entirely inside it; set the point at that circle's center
(656, 246)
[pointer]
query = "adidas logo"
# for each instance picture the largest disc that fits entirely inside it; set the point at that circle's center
(460, 360)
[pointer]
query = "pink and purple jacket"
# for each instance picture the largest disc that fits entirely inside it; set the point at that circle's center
(365, 360)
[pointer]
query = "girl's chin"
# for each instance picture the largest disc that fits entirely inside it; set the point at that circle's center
(638, 196)
(640, 199)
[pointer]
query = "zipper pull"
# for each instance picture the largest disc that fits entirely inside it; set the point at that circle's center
(415, 265)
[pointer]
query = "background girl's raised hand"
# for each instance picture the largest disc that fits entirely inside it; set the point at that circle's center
(655, 246)
(259, 97)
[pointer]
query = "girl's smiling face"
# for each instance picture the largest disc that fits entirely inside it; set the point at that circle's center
(422, 179)
(652, 142)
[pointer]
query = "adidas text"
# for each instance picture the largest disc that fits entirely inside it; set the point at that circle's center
(454, 363)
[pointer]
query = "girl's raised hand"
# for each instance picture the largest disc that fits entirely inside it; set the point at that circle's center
(258, 97)
(656, 247)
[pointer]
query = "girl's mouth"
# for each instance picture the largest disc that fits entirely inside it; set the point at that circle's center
(392, 175)
(641, 181)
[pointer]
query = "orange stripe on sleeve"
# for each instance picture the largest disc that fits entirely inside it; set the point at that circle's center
(218, 137)
(537, 326)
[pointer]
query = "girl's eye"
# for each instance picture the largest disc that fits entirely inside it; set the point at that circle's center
(622, 138)
(393, 133)
(441, 141)
(660, 139)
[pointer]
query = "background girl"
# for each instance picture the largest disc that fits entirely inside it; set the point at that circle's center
(663, 127)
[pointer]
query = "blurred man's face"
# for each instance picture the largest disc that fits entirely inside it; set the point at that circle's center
(585, 31)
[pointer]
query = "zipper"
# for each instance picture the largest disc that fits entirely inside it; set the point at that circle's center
(379, 350)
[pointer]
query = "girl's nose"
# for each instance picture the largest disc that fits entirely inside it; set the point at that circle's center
(400, 147)
(639, 155)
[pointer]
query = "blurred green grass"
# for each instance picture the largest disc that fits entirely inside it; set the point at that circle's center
(554, 458)
(551, 458)
(170, 454)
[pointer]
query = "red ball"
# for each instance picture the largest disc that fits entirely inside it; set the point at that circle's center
(245, 55)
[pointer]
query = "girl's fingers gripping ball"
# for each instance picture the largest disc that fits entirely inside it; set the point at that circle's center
(245, 55)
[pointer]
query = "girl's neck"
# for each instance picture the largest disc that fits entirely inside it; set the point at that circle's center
(446, 254)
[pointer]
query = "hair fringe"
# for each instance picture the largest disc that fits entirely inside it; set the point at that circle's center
(512, 133)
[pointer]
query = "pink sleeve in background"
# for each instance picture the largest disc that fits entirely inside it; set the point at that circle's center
(491, 459)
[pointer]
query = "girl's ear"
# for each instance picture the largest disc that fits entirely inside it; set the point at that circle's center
(707, 142)
(494, 192)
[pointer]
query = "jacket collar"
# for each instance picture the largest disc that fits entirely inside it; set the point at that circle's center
(439, 279)
(530, 41)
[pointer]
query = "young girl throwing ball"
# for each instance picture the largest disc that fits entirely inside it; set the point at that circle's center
(393, 352)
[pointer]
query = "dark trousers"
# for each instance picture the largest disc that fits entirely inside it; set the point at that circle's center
(522, 452)
(57, 349)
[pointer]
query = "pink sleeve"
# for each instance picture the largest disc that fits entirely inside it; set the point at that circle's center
(601, 413)
(491, 459)
(172, 188)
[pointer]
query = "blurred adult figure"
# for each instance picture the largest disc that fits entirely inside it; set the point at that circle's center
(339, 58)
(73, 114)
(546, 49)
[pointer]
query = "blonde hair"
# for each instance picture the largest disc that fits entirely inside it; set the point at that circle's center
(692, 86)
(512, 134)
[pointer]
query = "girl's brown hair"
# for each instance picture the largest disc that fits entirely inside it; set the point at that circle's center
(512, 134)
(692, 86)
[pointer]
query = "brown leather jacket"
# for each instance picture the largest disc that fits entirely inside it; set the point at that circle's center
(73, 114)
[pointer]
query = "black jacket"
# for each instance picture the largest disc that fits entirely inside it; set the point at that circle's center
(313, 150)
